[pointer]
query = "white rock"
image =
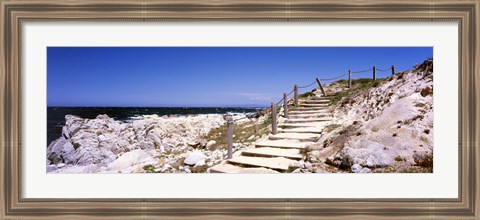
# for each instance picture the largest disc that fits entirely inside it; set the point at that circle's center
(129, 159)
(51, 168)
(200, 163)
(299, 164)
(308, 165)
(299, 170)
(210, 143)
(102, 140)
(194, 157)
(166, 167)
(356, 168)
(365, 170)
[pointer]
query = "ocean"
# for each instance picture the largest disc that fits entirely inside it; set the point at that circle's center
(56, 115)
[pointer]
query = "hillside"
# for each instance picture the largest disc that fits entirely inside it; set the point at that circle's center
(380, 126)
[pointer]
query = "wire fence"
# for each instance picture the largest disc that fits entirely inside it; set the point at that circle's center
(231, 121)
(340, 76)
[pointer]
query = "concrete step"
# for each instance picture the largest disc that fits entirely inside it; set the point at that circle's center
(314, 101)
(322, 97)
(313, 115)
(304, 120)
(286, 144)
(295, 109)
(315, 130)
(310, 124)
(295, 112)
(312, 105)
(276, 163)
(296, 136)
(229, 168)
(274, 152)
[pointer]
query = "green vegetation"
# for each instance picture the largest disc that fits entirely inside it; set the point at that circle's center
(305, 151)
(357, 85)
(424, 161)
(399, 159)
(200, 169)
(241, 133)
(306, 95)
(149, 169)
(331, 127)
(292, 168)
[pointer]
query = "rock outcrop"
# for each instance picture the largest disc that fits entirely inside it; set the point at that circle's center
(388, 125)
(107, 145)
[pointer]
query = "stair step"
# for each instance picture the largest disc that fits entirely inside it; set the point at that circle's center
(276, 163)
(323, 111)
(309, 115)
(314, 101)
(309, 124)
(303, 120)
(296, 136)
(315, 130)
(286, 144)
(274, 152)
(308, 109)
(312, 105)
(229, 168)
(323, 97)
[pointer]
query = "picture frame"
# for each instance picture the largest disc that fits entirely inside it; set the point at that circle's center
(14, 13)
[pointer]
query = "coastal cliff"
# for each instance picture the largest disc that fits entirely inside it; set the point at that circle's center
(107, 145)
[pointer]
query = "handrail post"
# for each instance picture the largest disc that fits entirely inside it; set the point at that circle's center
(285, 106)
(393, 70)
(321, 87)
(274, 118)
(229, 136)
(295, 95)
(349, 79)
(374, 73)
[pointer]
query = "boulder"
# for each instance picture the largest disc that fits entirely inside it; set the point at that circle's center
(194, 157)
(356, 168)
(200, 163)
(129, 159)
(210, 144)
(51, 168)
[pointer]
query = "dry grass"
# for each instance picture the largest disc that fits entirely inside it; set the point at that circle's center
(241, 133)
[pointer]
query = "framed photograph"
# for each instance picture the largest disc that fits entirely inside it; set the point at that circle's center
(239, 109)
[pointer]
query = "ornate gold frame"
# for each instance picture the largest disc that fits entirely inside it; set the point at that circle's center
(14, 12)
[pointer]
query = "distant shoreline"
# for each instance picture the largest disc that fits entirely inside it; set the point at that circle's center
(56, 115)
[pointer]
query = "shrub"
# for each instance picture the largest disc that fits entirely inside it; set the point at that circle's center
(331, 127)
(306, 95)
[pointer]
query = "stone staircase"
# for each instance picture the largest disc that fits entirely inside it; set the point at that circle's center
(302, 128)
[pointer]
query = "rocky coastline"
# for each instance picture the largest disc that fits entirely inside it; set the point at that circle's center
(149, 144)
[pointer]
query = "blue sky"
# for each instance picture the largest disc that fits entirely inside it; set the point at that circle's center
(205, 76)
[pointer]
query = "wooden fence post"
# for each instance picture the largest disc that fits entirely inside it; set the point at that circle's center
(393, 70)
(374, 73)
(295, 95)
(257, 129)
(321, 87)
(274, 118)
(349, 79)
(229, 136)
(285, 105)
